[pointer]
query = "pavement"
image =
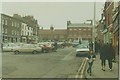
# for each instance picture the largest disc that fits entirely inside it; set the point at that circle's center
(98, 73)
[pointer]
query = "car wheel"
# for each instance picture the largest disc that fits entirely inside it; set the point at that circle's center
(16, 52)
(34, 52)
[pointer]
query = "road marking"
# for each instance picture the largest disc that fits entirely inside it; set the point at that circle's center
(80, 75)
(67, 56)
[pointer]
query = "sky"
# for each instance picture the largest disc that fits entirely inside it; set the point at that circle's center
(55, 14)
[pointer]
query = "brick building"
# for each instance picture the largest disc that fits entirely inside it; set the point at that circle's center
(32, 26)
(108, 26)
(11, 29)
(19, 29)
(48, 34)
(79, 31)
(116, 25)
(99, 35)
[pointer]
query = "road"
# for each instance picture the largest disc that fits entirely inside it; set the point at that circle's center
(60, 64)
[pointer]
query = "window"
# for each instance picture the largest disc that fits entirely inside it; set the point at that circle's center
(74, 34)
(2, 21)
(15, 32)
(26, 27)
(89, 35)
(22, 32)
(89, 29)
(12, 32)
(18, 25)
(79, 29)
(12, 23)
(5, 22)
(3, 30)
(31, 34)
(28, 33)
(6, 31)
(15, 25)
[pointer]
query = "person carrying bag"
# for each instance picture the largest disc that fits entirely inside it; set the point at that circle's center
(90, 59)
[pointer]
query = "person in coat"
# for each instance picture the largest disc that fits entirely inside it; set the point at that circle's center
(103, 55)
(110, 55)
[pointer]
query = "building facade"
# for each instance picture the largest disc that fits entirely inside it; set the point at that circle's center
(108, 26)
(50, 35)
(19, 29)
(11, 29)
(26, 32)
(99, 35)
(116, 25)
(33, 24)
(79, 32)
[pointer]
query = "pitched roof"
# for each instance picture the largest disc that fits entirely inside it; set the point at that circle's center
(60, 31)
(56, 31)
(79, 25)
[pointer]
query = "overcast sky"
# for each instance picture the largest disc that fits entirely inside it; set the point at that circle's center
(55, 13)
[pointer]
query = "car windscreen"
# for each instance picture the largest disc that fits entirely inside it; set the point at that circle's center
(82, 46)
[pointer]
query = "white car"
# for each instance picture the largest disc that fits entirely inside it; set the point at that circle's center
(28, 49)
(8, 47)
(82, 50)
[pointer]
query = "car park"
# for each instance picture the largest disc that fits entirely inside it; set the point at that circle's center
(82, 50)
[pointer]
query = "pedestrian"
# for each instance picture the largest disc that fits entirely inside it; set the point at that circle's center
(55, 46)
(1, 46)
(99, 45)
(96, 47)
(110, 55)
(103, 55)
(90, 58)
(91, 45)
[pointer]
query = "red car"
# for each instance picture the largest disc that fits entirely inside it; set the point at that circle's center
(47, 48)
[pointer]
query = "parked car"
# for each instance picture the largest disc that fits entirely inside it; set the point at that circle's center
(28, 49)
(47, 47)
(82, 50)
(75, 44)
(8, 47)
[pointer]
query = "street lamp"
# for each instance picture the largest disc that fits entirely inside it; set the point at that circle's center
(93, 32)
(51, 28)
(92, 26)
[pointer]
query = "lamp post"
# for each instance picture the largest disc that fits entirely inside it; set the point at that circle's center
(92, 27)
(51, 28)
(93, 32)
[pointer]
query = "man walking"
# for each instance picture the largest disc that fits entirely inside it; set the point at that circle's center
(110, 55)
